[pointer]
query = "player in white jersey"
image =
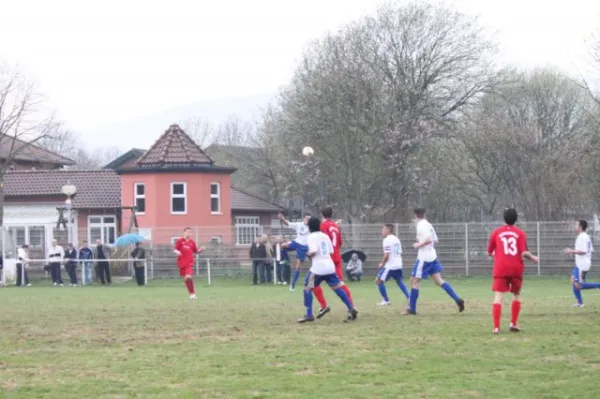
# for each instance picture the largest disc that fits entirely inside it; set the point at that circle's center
(583, 261)
(427, 264)
(298, 244)
(322, 269)
(391, 264)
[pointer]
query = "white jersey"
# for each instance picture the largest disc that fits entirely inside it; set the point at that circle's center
(302, 232)
(393, 247)
(584, 244)
(424, 231)
(322, 264)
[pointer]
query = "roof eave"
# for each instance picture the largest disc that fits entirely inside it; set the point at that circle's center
(213, 169)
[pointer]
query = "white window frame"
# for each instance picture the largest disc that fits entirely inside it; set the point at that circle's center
(217, 196)
(244, 222)
(26, 234)
(174, 240)
(184, 196)
(216, 239)
(137, 196)
(102, 226)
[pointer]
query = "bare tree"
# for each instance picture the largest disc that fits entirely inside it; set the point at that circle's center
(22, 120)
(200, 130)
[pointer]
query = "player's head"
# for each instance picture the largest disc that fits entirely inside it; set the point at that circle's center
(314, 224)
(419, 213)
(510, 216)
(306, 218)
(327, 212)
(387, 229)
(581, 226)
(187, 233)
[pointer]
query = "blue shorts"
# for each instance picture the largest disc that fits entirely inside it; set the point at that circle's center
(578, 276)
(314, 280)
(385, 274)
(301, 250)
(423, 269)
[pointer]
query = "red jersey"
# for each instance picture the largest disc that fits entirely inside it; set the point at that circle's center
(334, 233)
(188, 249)
(508, 243)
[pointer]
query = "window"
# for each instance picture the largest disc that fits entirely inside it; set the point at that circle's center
(178, 200)
(139, 197)
(216, 240)
(103, 228)
(215, 198)
(174, 240)
(247, 228)
(32, 235)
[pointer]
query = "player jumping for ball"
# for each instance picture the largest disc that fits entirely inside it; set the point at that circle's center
(508, 246)
(391, 264)
(300, 245)
(185, 249)
(583, 261)
(427, 264)
(322, 269)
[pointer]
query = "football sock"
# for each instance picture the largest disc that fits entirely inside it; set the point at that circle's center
(342, 294)
(588, 286)
(318, 291)
(414, 295)
(403, 288)
(496, 313)
(295, 278)
(448, 288)
(383, 291)
(578, 296)
(515, 310)
(348, 294)
(308, 303)
(189, 283)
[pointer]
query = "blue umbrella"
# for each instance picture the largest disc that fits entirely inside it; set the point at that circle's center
(128, 239)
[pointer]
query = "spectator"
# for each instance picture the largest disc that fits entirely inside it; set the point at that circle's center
(71, 259)
(56, 254)
(258, 254)
(139, 254)
(102, 257)
(283, 262)
(1, 271)
(85, 257)
(268, 262)
(354, 269)
(22, 259)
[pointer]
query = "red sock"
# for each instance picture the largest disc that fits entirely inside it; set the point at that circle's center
(347, 291)
(497, 312)
(189, 283)
(515, 310)
(318, 291)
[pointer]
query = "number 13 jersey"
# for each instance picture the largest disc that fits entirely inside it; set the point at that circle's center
(507, 244)
(393, 247)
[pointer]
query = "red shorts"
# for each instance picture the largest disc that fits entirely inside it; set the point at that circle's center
(339, 270)
(186, 271)
(506, 284)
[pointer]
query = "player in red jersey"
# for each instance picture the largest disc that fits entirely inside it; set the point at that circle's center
(186, 250)
(508, 246)
(332, 230)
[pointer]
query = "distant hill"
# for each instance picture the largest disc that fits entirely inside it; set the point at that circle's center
(143, 131)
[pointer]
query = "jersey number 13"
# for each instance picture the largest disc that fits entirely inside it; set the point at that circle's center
(510, 245)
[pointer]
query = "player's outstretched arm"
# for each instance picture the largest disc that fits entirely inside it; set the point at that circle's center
(571, 251)
(530, 256)
(283, 220)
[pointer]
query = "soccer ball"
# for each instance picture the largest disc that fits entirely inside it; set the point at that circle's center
(307, 151)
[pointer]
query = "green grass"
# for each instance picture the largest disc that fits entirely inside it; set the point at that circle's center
(240, 341)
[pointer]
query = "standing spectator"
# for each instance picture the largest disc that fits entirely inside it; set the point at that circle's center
(102, 257)
(56, 256)
(22, 259)
(1, 271)
(85, 257)
(268, 262)
(139, 254)
(354, 270)
(258, 254)
(71, 259)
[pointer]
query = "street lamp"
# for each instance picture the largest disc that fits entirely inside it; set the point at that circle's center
(69, 190)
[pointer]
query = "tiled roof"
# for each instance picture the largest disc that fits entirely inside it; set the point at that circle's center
(95, 188)
(241, 201)
(126, 160)
(174, 148)
(23, 151)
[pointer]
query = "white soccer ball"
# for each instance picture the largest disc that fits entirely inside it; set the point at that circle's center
(307, 151)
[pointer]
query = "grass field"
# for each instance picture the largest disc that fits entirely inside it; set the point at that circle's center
(241, 341)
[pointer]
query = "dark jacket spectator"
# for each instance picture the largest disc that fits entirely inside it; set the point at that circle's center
(71, 266)
(258, 254)
(138, 254)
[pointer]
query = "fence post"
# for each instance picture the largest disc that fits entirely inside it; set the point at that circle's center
(197, 261)
(208, 269)
(274, 272)
(467, 248)
(145, 272)
(539, 270)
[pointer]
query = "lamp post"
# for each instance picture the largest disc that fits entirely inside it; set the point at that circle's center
(69, 190)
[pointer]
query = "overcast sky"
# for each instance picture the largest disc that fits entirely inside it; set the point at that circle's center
(120, 60)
